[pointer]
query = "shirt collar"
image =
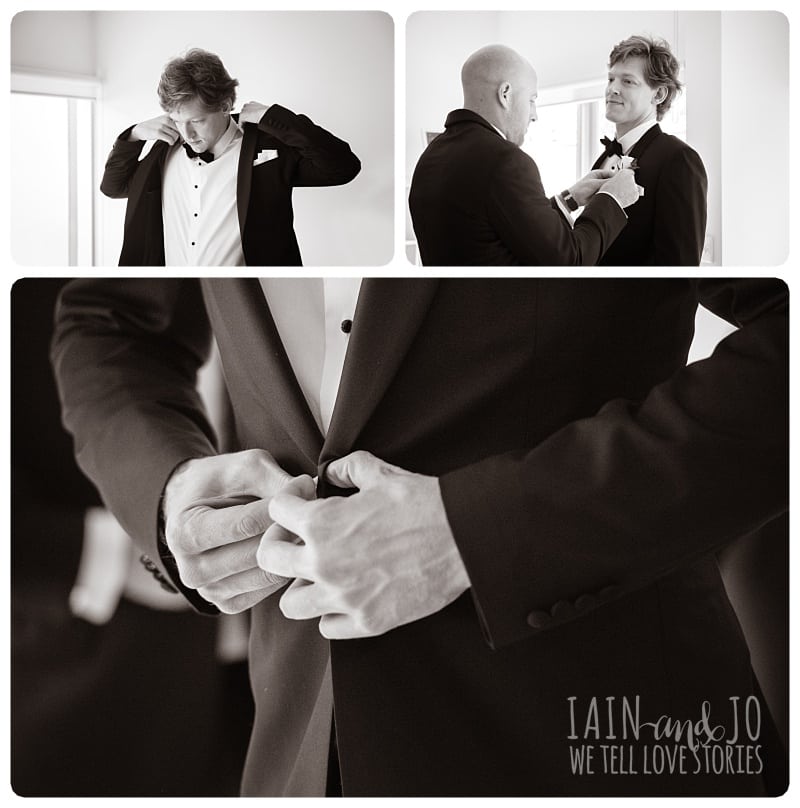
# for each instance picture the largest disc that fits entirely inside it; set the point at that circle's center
(631, 138)
(228, 137)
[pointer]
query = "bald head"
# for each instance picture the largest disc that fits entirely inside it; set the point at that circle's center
(501, 86)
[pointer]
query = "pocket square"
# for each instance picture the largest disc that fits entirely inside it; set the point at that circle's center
(264, 156)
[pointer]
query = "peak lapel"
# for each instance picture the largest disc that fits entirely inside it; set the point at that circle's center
(242, 319)
(387, 318)
(245, 172)
(645, 140)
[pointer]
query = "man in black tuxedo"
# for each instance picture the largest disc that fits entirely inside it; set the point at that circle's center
(226, 201)
(477, 199)
(541, 485)
(667, 226)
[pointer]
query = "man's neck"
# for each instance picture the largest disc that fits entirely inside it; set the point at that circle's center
(622, 129)
(487, 116)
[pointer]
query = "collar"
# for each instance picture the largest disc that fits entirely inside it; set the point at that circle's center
(468, 116)
(631, 138)
(231, 134)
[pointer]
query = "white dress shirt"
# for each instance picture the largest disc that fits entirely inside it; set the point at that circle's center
(313, 317)
(201, 223)
(629, 140)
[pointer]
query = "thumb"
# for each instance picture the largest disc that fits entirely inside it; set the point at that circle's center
(302, 486)
(356, 470)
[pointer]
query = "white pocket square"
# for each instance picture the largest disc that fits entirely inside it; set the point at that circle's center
(264, 156)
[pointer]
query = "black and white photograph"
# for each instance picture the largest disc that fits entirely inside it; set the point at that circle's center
(650, 124)
(492, 537)
(328, 505)
(296, 107)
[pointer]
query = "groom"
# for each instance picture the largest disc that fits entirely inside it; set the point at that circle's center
(667, 225)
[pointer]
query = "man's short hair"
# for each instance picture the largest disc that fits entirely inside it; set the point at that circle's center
(200, 75)
(661, 67)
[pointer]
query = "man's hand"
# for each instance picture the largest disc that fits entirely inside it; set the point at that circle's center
(252, 112)
(215, 510)
(622, 186)
(370, 562)
(586, 187)
(160, 128)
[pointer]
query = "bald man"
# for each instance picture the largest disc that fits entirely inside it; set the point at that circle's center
(477, 199)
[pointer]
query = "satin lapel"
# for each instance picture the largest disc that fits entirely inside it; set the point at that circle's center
(644, 141)
(388, 315)
(245, 173)
(241, 316)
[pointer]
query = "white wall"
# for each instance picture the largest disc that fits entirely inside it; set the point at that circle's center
(735, 69)
(53, 41)
(755, 145)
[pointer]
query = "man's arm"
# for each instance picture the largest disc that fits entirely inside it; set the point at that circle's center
(604, 506)
(126, 355)
(324, 159)
(535, 231)
(609, 503)
(124, 155)
(680, 213)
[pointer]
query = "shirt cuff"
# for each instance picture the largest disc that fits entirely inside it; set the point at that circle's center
(564, 209)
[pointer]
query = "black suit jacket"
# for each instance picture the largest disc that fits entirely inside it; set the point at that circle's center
(667, 226)
(588, 475)
(477, 199)
(307, 155)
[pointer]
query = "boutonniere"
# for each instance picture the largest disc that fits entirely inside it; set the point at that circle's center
(624, 161)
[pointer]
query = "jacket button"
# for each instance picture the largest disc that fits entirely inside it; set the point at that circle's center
(347, 326)
(538, 619)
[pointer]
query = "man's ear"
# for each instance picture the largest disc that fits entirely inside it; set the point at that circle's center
(504, 94)
(661, 94)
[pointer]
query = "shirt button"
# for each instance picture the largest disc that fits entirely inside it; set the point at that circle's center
(538, 619)
(192, 244)
(195, 216)
(347, 326)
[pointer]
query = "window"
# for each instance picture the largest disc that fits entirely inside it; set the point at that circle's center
(52, 178)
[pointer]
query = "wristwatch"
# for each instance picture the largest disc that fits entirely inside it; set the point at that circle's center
(569, 200)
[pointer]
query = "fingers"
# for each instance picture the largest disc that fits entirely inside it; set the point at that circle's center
(306, 601)
(241, 591)
(303, 600)
(252, 473)
(201, 528)
(357, 470)
(203, 569)
(279, 554)
(343, 627)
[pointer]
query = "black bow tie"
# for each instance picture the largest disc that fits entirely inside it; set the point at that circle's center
(612, 147)
(205, 156)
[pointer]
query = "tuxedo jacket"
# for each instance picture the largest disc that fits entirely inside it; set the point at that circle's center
(588, 475)
(307, 155)
(477, 199)
(666, 226)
